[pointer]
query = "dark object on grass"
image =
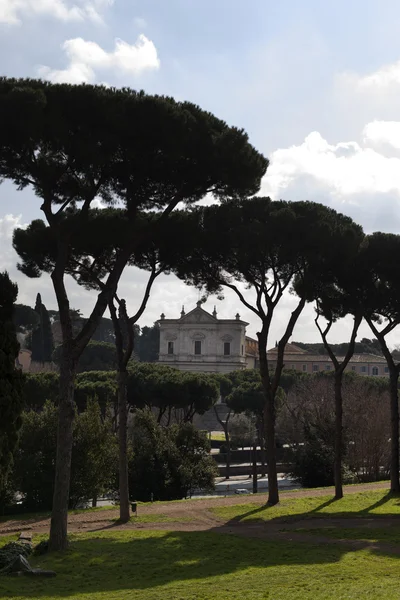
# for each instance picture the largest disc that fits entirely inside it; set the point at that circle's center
(11, 551)
(14, 560)
(41, 548)
(20, 566)
(25, 537)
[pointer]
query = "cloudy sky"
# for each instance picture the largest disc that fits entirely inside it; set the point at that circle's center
(315, 84)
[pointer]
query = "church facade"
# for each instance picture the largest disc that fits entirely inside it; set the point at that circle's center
(200, 341)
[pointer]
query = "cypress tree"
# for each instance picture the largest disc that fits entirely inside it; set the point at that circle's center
(42, 336)
(10, 378)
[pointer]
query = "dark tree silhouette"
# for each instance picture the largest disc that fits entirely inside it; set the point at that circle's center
(73, 144)
(381, 293)
(269, 247)
(42, 335)
(11, 402)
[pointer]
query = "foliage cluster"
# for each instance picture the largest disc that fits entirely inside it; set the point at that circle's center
(11, 402)
(169, 463)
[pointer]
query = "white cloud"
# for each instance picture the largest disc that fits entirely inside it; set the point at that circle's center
(383, 77)
(359, 98)
(7, 225)
(345, 168)
(75, 73)
(380, 80)
(85, 58)
(13, 12)
(383, 132)
(27, 288)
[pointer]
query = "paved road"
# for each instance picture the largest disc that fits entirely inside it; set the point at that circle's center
(226, 487)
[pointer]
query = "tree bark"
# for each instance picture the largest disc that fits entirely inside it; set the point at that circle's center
(124, 512)
(72, 350)
(339, 370)
(228, 455)
(255, 474)
(59, 516)
(122, 380)
(394, 405)
(269, 414)
(394, 423)
(260, 429)
(338, 436)
(269, 421)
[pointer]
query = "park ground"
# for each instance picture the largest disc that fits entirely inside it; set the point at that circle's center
(308, 546)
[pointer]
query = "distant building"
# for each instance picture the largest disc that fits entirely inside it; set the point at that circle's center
(298, 359)
(200, 341)
(251, 352)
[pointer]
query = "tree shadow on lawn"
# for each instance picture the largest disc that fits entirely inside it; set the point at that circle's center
(258, 514)
(143, 560)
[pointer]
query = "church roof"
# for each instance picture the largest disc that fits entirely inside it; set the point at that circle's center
(199, 315)
(198, 311)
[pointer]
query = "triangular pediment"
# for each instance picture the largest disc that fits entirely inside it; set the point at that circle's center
(198, 315)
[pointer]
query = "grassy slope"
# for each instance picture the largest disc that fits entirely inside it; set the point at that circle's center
(362, 504)
(199, 566)
(369, 534)
(151, 565)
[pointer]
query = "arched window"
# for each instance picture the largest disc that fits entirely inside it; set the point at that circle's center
(375, 371)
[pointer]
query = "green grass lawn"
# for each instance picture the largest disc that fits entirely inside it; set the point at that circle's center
(156, 518)
(218, 436)
(150, 565)
(362, 504)
(369, 534)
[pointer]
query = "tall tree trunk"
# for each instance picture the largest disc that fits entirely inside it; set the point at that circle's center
(269, 421)
(269, 414)
(123, 356)
(260, 430)
(59, 516)
(255, 474)
(394, 424)
(339, 370)
(228, 455)
(124, 512)
(394, 405)
(338, 436)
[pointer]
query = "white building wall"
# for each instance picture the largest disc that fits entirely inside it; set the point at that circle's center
(212, 332)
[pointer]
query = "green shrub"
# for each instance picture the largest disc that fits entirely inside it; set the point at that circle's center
(11, 551)
(313, 462)
(94, 457)
(168, 462)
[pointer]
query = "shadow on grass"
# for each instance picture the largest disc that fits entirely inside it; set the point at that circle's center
(251, 515)
(127, 561)
(143, 560)
(260, 513)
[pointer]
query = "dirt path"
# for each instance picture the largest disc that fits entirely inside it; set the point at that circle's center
(195, 515)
